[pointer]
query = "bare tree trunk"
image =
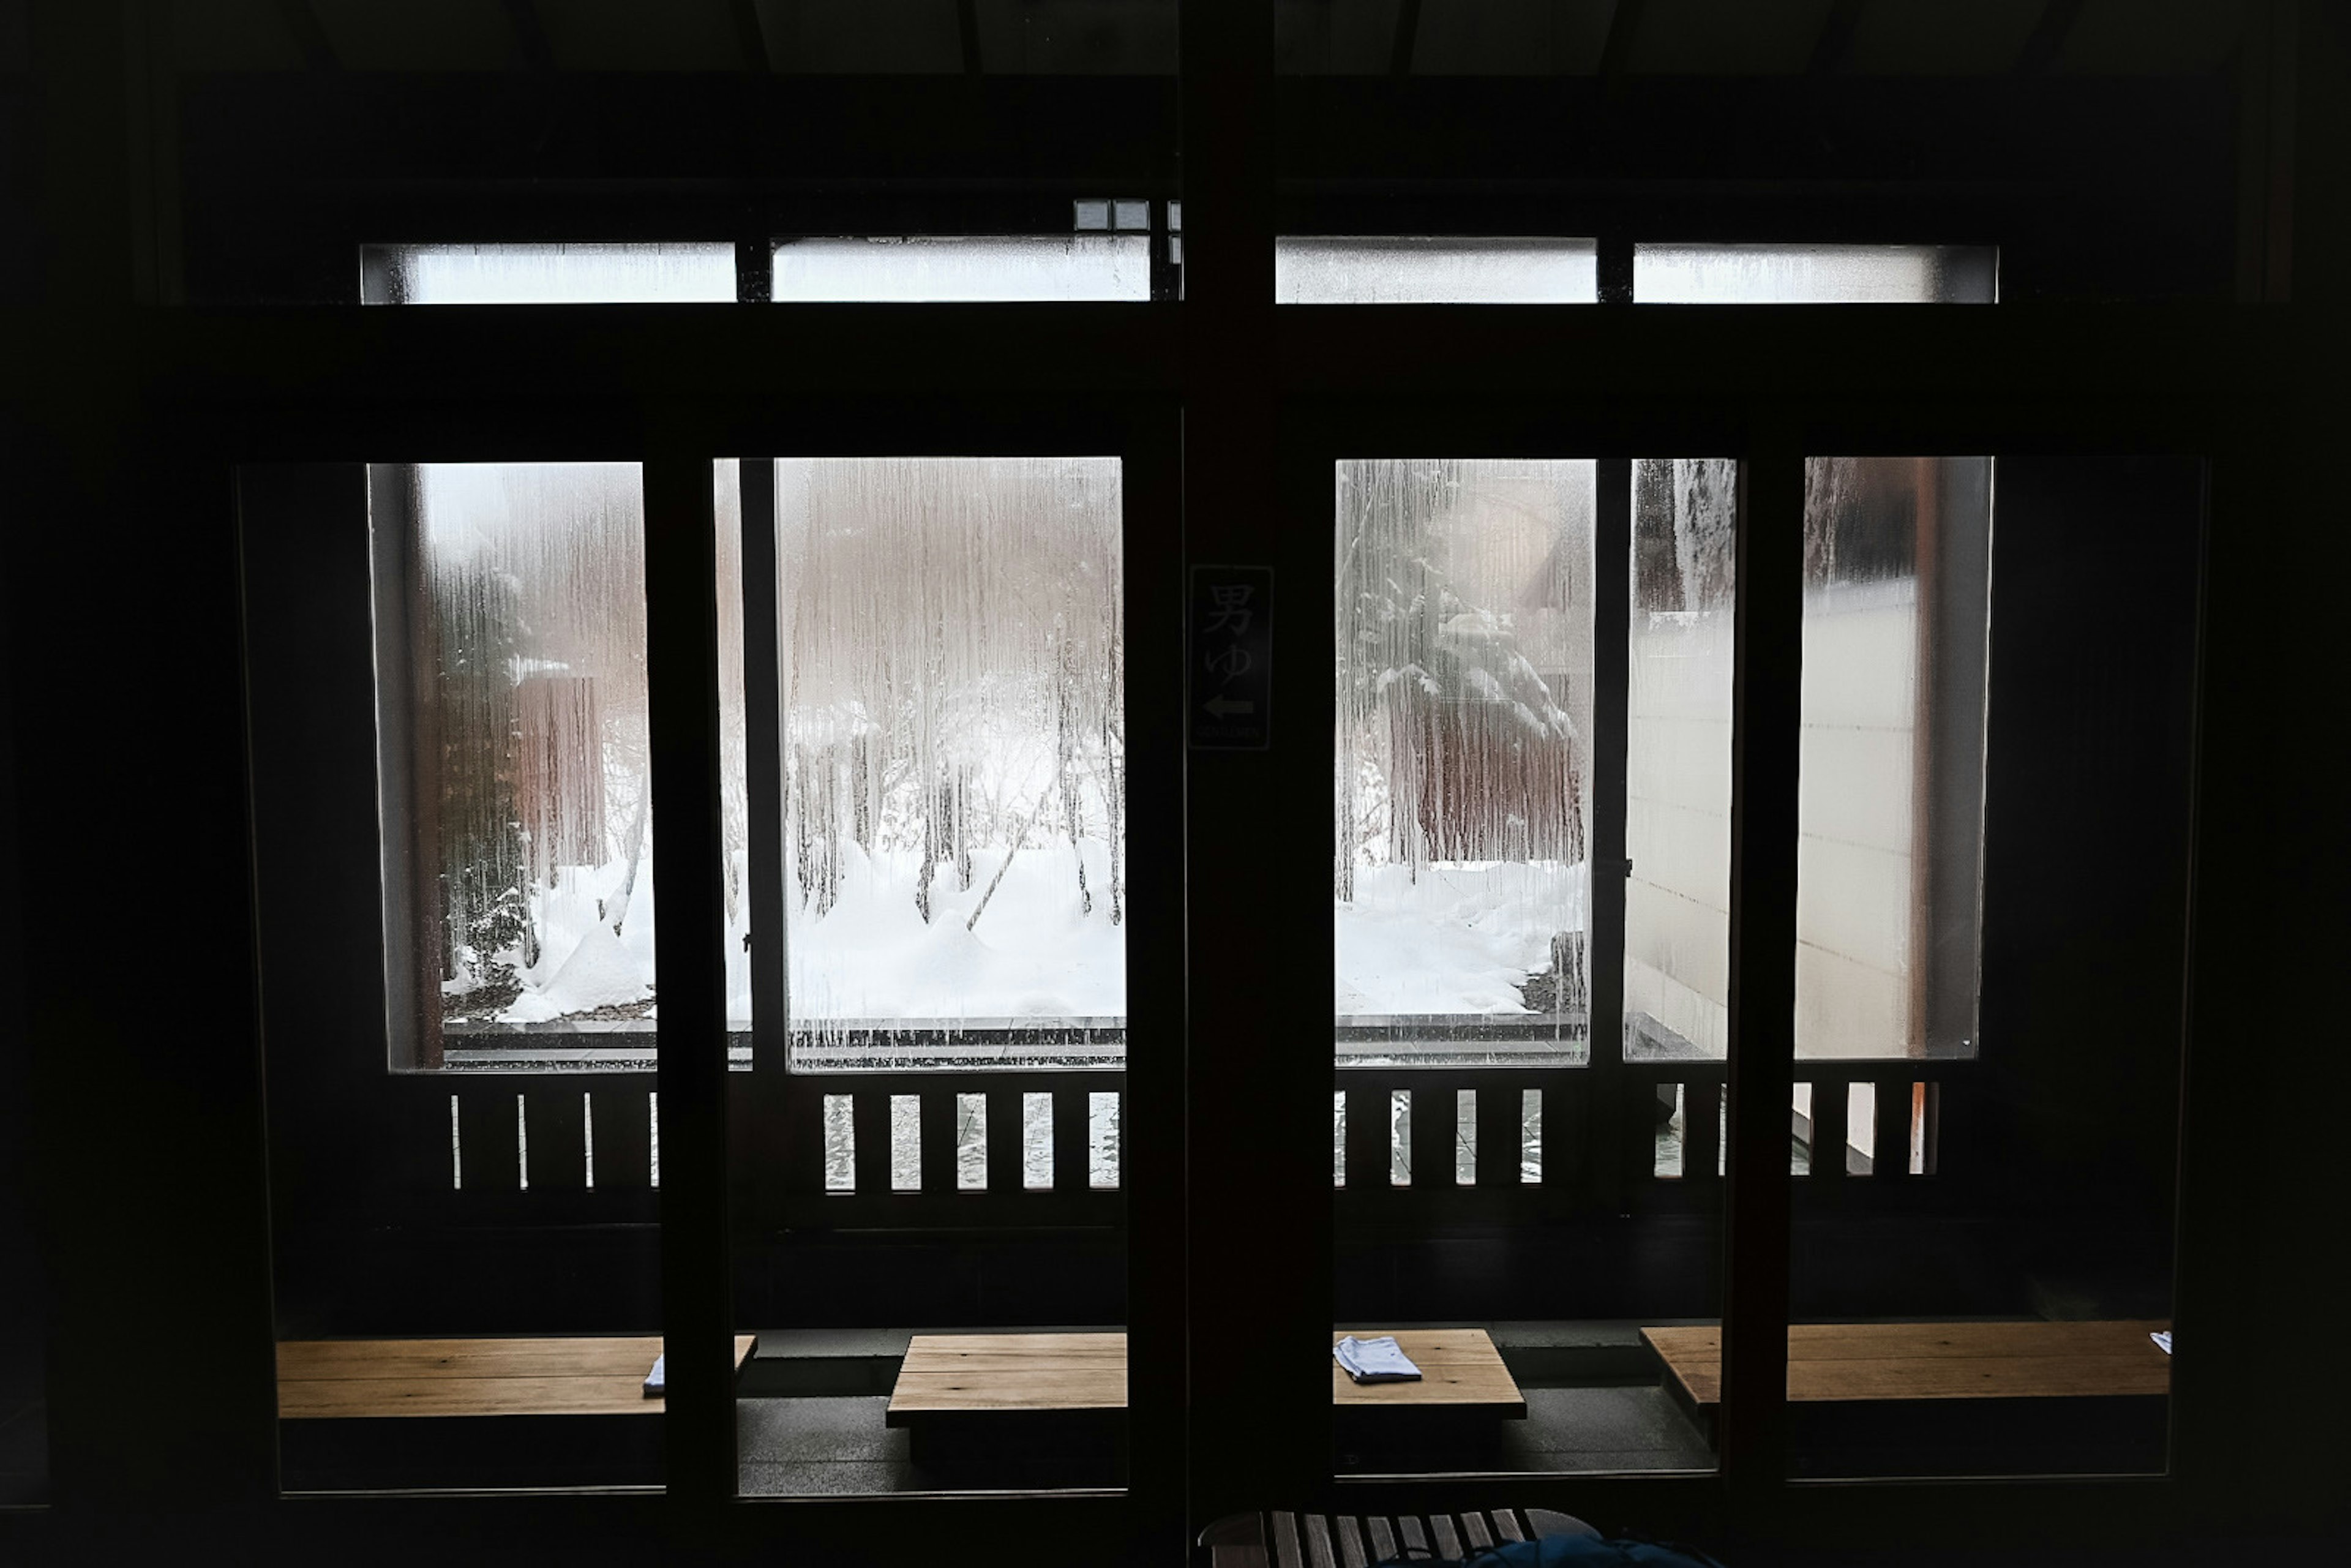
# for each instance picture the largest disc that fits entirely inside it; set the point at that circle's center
(1065, 746)
(617, 910)
(1011, 849)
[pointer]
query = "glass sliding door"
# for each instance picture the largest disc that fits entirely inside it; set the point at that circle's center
(934, 1264)
(1992, 863)
(455, 838)
(1533, 662)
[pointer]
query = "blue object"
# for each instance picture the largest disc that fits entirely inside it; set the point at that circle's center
(1572, 1551)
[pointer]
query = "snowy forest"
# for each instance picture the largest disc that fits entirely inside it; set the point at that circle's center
(954, 715)
(1462, 811)
(951, 642)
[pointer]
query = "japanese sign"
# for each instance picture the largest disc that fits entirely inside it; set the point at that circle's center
(1231, 638)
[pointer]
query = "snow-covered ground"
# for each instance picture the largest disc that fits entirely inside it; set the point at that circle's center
(1032, 953)
(1461, 937)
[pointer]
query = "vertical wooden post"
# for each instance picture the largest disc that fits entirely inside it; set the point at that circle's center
(689, 956)
(1261, 1226)
(1765, 710)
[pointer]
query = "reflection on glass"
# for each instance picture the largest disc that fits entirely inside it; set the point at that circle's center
(1814, 275)
(954, 760)
(1677, 760)
(1366, 269)
(1991, 1235)
(546, 274)
(1464, 641)
(1890, 804)
(976, 269)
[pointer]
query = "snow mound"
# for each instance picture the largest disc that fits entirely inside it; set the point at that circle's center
(600, 973)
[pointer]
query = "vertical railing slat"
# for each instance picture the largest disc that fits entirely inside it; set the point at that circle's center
(624, 1162)
(485, 1128)
(937, 1140)
(1890, 1157)
(1007, 1131)
(870, 1130)
(1073, 1140)
(1367, 1140)
(1831, 1097)
(1499, 1114)
(1434, 1123)
(559, 1142)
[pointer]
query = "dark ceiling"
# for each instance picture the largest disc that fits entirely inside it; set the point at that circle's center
(1345, 38)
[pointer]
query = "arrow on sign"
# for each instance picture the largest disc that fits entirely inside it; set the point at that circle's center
(1224, 707)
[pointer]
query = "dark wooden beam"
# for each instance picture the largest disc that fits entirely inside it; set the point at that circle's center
(1623, 23)
(530, 36)
(1835, 40)
(1407, 32)
(752, 35)
(309, 37)
(2049, 35)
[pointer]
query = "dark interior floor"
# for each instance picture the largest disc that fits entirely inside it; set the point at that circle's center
(831, 1445)
(24, 1451)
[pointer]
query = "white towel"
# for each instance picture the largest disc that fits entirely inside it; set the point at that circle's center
(1378, 1360)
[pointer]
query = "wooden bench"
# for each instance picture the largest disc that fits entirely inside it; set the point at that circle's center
(430, 1412)
(346, 1379)
(1868, 1392)
(1345, 1541)
(971, 1390)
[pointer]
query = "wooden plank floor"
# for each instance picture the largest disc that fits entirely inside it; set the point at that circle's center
(345, 1378)
(1832, 1363)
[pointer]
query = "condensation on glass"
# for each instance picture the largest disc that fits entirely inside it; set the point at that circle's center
(547, 274)
(1677, 759)
(1815, 275)
(1896, 629)
(1461, 784)
(1400, 270)
(951, 636)
(969, 268)
(515, 769)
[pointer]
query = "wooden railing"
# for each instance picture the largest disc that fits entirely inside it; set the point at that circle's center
(1011, 1147)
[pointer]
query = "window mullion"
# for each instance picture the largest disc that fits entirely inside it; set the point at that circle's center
(1611, 700)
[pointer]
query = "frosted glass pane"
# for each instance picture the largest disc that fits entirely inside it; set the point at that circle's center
(1890, 798)
(727, 510)
(1677, 759)
(1814, 275)
(546, 274)
(951, 637)
(944, 270)
(523, 652)
(1464, 702)
(1401, 270)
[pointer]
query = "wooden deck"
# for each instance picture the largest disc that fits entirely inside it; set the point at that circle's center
(1853, 1362)
(337, 1379)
